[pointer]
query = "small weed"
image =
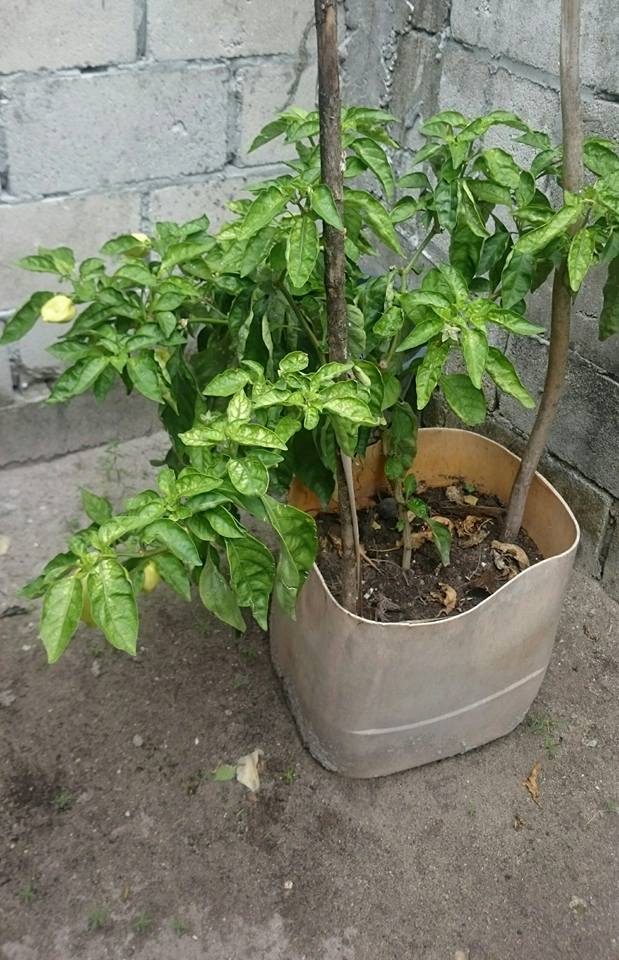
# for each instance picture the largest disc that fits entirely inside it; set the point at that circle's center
(241, 681)
(248, 650)
(142, 923)
(471, 809)
(179, 927)
(541, 723)
(63, 800)
(612, 806)
(552, 745)
(469, 487)
(289, 776)
(27, 893)
(97, 919)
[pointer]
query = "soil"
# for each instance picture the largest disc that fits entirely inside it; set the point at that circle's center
(116, 845)
(429, 590)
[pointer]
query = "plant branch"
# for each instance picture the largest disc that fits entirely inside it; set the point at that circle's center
(561, 308)
(332, 163)
(296, 309)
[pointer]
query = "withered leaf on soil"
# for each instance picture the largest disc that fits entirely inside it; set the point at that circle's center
(532, 782)
(519, 823)
(511, 550)
(249, 768)
(448, 597)
(472, 530)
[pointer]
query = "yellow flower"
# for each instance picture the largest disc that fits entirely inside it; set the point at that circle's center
(59, 309)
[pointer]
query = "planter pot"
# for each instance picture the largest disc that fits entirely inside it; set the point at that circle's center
(374, 698)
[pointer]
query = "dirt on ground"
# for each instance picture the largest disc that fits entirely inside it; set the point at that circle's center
(479, 561)
(115, 842)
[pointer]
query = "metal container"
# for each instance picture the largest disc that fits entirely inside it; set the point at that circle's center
(373, 698)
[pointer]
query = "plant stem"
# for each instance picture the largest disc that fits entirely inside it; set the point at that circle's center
(303, 321)
(561, 307)
(407, 552)
(404, 274)
(332, 162)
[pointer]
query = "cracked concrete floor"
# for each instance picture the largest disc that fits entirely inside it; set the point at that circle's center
(107, 821)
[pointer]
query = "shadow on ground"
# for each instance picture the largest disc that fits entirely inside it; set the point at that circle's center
(108, 822)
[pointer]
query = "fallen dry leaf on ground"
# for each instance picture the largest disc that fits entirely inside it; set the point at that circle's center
(519, 823)
(454, 494)
(532, 782)
(472, 530)
(448, 597)
(511, 550)
(249, 768)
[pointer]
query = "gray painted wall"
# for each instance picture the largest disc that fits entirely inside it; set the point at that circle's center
(115, 113)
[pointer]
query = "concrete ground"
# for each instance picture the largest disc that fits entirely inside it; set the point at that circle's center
(115, 844)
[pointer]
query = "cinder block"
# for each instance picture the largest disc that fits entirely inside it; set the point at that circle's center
(590, 504)
(265, 90)
(115, 127)
(190, 200)
(40, 431)
(205, 29)
(610, 579)
(83, 223)
(65, 33)
(586, 429)
(585, 320)
(502, 27)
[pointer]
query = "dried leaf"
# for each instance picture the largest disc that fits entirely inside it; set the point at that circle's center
(512, 550)
(419, 537)
(446, 521)
(454, 494)
(249, 768)
(532, 782)
(375, 525)
(519, 823)
(383, 607)
(471, 500)
(472, 530)
(448, 597)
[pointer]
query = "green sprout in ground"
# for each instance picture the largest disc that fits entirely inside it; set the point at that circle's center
(63, 800)
(142, 923)
(97, 919)
(289, 776)
(27, 893)
(179, 927)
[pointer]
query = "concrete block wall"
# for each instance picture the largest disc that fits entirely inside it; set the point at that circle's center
(475, 56)
(114, 115)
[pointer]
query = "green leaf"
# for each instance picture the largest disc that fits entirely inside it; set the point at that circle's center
(113, 605)
(302, 248)
(226, 383)
(609, 317)
(475, 351)
(414, 181)
(390, 323)
(403, 210)
(600, 156)
(494, 249)
(297, 534)
(376, 159)
(446, 203)
(442, 540)
(252, 572)
(254, 435)
(124, 523)
(501, 168)
(352, 409)
(77, 379)
(535, 240)
(485, 191)
(249, 476)
(580, 257)
(173, 572)
(514, 322)
(138, 273)
(377, 217)
(516, 278)
(191, 482)
(224, 771)
(356, 331)
(122, 244)
(401, 440)
(224, 523)
(62, 608)
(25, 318)
(470, 211)
(324, 205)
(421, 333)
(145, 376)
(429, 371)
(183, 252)
(272, 130)
(239, 408)
(267, 205)
(98, 509)
(466, 401)
(175, 538)
(504, 375)
(218, 597)
(293, 363)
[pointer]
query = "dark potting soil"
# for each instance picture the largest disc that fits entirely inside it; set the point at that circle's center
(479, 564)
